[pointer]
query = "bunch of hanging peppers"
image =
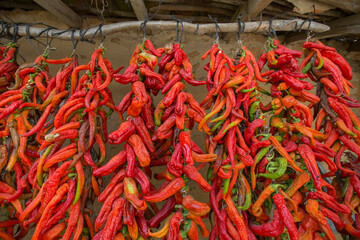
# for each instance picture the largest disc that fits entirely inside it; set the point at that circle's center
(305, 196)
(49, 121)
(282, 169)
(8, 65)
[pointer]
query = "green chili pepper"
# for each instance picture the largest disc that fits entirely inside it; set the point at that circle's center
(40, 177)
(210, 173)
(307, 68)
(217, 125)
(72, 175)
(252, 110)
(247, 90)
(261, 154)
(321, 64)
(347, 181)
(186, 228)
(81, 110)
(109, 113)
(226, 185)
(260, 89)
(280, 170)
(124, 231)
(253, 94)
(268, 204)
(278, 138)
(247, 202)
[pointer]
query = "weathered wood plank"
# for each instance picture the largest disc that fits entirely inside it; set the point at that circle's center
(232, 2)
(189, 8)
(341, 31)
(345, 21)
(255, 7)
(278, 25)
(195, 19)
(334, 32)
(61, 11)
(348, 5)
(139, 9)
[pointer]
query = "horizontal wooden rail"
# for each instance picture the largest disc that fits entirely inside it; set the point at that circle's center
(250, 27)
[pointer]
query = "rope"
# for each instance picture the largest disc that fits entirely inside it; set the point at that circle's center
(181, 21)
(217, 28)
(143, 24)
(241, 27)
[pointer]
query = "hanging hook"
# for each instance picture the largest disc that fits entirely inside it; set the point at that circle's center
(259, 23)
(102, 38)
(181, 21)
(82, 33)
(241, 27)
(271, 29)
(28, 37)
(197, 29)
(310, 19)
(91, 40)
(143, 24)
(217, 29)
(14, 36)
(47, 40)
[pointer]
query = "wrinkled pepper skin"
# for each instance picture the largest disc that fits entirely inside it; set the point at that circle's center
(170, 189)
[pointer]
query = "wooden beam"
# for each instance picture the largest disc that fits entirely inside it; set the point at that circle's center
(139, 9)
(278, 25)
(61, 11)
(345, 21)
(249, 12)
(348, 5)
(10, 4)
(341, 31)
(212, 4)
(242, 11)
(189, 8)
(195, 19)
(255, 7)
(334, 32)
(232, 2)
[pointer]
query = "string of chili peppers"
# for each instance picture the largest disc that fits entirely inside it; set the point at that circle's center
(309, 199)
(82, 119)
(21, 104)
(233, 92)
(8, 65)
(51, 127)
(62, 117)
(124, 209)
(175, 115)
(335, 118)
(291, 125)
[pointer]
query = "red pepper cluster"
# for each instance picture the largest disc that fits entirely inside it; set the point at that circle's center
(146, 147)
(8, 65)
(49, 120)
(265, 178)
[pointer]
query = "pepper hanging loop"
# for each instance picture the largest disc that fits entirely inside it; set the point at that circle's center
(310, 19)
(241, 27)
(102, 38)
(181, 21)
(271, 29)
(217, 29)
(143, 24)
